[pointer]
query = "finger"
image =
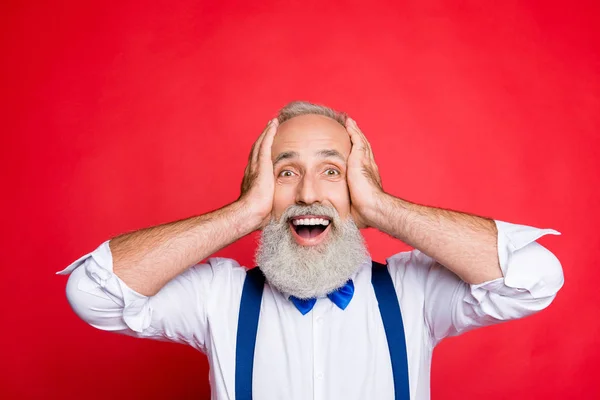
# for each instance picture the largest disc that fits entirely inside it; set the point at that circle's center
(358, 139)
(366, 143)
(364, 138)
(353, 127)
(355, 137)
(258, 143)
(250, 169)
(267, 142)
(252, 154)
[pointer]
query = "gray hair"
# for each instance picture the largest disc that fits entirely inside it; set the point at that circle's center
(297, 108)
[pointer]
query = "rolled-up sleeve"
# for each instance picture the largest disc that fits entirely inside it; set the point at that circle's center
(532, 275)
(176, 313)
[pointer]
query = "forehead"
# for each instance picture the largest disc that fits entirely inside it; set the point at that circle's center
(307, 134)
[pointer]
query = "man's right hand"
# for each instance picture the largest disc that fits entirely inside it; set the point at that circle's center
(258, 184)
(149, 258)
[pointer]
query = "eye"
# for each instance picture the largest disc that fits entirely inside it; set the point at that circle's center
(332, 172)
(286, 173)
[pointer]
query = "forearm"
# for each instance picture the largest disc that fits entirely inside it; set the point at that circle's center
(465, 244)
(149, 258)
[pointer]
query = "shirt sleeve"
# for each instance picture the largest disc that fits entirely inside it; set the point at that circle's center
(532, 276)
(179, 312)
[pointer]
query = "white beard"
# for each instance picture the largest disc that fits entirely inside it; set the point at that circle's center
(310, 271)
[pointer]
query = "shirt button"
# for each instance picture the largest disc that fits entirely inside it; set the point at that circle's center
(320, 376)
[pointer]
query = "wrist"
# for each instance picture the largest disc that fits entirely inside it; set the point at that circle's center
(384, 210)
(247, 218)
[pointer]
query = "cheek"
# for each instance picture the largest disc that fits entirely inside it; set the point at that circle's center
(283, 197)
(340, 198)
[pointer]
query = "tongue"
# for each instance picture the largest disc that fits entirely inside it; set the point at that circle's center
(307, 232)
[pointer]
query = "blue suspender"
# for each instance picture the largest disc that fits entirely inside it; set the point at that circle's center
(246, 333)
(250, 313)
(389, 308)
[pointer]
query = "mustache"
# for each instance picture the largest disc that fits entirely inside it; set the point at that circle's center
(310, 271)
(296, 210)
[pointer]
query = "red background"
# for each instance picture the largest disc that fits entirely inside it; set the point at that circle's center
(125, 115)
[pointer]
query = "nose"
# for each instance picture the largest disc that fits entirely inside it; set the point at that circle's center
(308, 192)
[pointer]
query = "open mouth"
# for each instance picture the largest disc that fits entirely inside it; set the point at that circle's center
(310, 229)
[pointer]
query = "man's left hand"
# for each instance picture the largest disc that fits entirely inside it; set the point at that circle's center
(363, 178)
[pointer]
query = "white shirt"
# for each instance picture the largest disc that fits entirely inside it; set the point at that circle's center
(328, 353)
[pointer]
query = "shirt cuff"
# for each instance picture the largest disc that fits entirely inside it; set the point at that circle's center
(527, 267)
(98, 265)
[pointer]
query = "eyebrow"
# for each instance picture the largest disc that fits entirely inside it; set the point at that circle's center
(328, 153)
(286, 155)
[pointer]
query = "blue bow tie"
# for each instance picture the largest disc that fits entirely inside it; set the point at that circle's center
(340, 297)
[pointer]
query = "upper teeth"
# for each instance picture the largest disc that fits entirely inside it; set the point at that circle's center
(311, 221)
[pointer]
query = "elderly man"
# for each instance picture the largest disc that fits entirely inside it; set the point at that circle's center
(318, 319)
